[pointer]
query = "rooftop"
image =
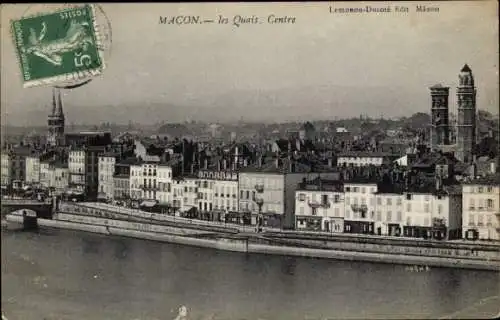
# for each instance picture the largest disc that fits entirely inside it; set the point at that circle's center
(319, 184)
(439, 86)
(490, 180)
(466, 68)
(366, 154)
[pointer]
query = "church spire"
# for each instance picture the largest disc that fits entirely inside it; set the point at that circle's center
(54, 104)
(59, 111)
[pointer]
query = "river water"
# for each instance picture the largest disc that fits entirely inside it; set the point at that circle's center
(55, 274)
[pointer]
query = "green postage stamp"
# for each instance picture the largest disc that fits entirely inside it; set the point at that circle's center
(58, 46)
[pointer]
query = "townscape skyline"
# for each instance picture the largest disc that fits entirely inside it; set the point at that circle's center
(241, 76)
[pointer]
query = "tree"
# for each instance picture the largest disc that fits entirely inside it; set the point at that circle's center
(417, 121)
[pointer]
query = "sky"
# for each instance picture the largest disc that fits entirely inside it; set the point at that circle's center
(325, 65)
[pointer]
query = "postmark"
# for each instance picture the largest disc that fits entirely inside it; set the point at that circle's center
(60, 47)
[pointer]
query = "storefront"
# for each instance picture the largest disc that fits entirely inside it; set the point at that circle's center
(360, 227)
(419, 232)
(394, 229)
(472, 234)
(272, 220)
(333, 225)
(309, 223)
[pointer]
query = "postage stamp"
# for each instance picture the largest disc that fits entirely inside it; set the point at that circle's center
(58, 46)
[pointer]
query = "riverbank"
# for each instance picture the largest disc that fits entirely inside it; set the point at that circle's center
(280, 244)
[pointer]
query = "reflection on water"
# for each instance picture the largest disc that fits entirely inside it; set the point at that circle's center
(85, 276)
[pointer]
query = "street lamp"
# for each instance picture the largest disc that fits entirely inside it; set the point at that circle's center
(259, 200)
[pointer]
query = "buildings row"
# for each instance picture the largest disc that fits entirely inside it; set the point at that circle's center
(470, 211)
(365, 199)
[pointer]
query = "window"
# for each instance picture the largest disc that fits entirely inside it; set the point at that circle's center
(337, 198)
(389, 215)
(408, 207)
(389, 201)
(241, 194)
(399, 216)
(471, 204)
(408, 196)
(301, 210)
(347, 214)
(363, 190)
(426, 221)
(379, 216)
(481, 204)
(480, 218)
(347, 200)
(408, 221)
(356, 189)
(440, 208)
(379, 201)
(337, 212)
(490, 204)
(248, 195)
(480, 189)
(399, 201)
(471, 219)
(324, 199)
(426, 208)
(347, 189)
(489, 189)
(489, 220)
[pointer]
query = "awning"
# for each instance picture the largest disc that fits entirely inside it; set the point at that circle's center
(148, 203)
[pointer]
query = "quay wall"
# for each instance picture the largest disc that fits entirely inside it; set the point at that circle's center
(113, 212)
(389, 247)
(264, 245)
(141, 226)
(365, 238)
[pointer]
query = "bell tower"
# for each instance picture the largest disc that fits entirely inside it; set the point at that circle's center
(55, 121)
(440, 126)
(466, 122)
